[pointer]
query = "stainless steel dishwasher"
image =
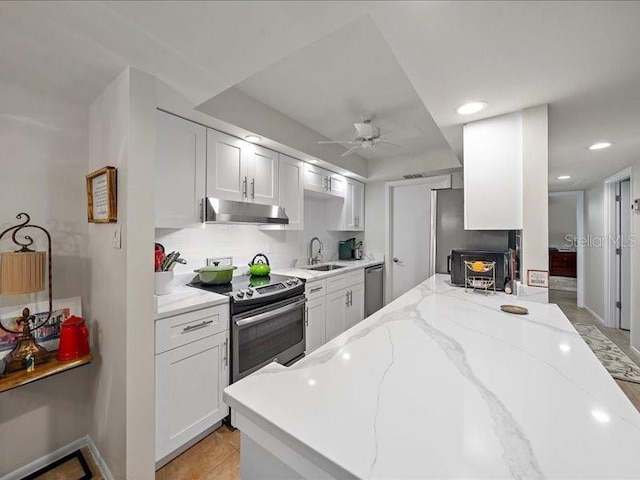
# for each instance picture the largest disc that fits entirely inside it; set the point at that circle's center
(373, 294)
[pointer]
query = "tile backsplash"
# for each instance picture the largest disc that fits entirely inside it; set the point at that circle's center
(243, 242)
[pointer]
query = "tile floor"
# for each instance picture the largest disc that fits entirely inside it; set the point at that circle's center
(218, 455)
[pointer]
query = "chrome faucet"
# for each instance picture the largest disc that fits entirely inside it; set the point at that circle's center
(318, 258)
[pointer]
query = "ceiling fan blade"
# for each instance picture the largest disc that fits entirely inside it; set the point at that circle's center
(336, 141)
(410, 133)
(384, 143)
(350, 151)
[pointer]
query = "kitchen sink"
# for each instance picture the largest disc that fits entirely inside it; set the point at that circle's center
(324, 268)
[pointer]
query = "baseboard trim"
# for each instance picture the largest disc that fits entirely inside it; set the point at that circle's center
(45, 460)
(58, 454)
(595, 315)
(99, 460)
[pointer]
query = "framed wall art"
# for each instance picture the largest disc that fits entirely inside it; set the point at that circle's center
(102, 196)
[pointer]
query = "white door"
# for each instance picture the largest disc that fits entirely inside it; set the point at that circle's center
(625, 255)
(337, 185)
(410, 233)
(316, 179)
(336, 307)
(315, 325)
(291, 178)
(180, 167)
(262, 174)
(226, 170)
(349, 203)
(355, 311)
(189, 384)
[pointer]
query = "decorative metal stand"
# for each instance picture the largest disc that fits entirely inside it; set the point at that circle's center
(480, 276)
(26, 345)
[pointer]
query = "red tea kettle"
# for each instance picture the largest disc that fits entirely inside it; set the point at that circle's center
(74, 339)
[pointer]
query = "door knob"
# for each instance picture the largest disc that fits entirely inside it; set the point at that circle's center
(396, 260)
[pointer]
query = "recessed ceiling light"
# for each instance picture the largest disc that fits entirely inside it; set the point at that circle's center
(600, 145)
(564, 177)
(253, 138)
(471, 107)
(313, 161)
(600, 415)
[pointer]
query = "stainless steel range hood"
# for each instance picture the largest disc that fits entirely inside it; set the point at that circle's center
(228, 211)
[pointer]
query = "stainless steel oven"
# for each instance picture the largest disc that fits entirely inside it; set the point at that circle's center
(275, 332)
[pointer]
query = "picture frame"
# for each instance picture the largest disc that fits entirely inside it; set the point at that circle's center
(102, 196)
(538, 278)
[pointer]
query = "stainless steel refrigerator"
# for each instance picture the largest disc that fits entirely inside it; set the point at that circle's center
(450, 233)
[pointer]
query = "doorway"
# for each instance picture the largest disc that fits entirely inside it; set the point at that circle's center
(566, 252)
(409, 233)
(618, 203)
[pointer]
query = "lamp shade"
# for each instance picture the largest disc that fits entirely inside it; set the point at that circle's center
(22, 272)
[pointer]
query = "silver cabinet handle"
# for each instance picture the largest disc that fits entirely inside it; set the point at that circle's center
(306, 316)
(268, 315)
(253, 188)
(347, 295)
(325, 183)
(315, 289)
(330, 186)
(351, 298)
(244, 187)
(226, 353)
(191, 328)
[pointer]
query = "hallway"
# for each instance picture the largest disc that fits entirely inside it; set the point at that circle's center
(567, 303)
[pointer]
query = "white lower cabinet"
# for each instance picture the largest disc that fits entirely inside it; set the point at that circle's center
(315, 324)
(189, 383)
(342, 307)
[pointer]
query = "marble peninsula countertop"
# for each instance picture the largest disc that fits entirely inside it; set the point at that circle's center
(442, 384)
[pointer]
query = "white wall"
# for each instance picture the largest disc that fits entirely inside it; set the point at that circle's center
(43, 142)
(562, 219)
(594, 251)
(243, 242)
(535, 216)
(122, 134)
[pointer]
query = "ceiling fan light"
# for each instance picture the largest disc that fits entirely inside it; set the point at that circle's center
(252, 138)
(471, 107)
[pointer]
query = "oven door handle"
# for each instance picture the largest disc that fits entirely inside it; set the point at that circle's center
(274, 313)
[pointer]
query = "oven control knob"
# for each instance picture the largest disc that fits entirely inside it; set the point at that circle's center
(249, 292)
(289, 282)
(295, 281)
(240, 294)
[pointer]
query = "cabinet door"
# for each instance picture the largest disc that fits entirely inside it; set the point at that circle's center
(315, 179)
(355, 310)
(315, 324)
(337, 185)
(189, 384)
(291, 178)
(226, 170)
(358, 204)
(262, 174)
(336, 307)
(180, 168)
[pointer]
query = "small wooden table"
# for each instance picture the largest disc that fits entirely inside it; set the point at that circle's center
(43, 370)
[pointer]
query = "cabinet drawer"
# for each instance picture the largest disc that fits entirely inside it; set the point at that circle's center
(188, 327)
(316, 289)
(345, 280)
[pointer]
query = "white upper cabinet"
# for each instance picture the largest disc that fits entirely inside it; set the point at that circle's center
(226, 168)
(239, 170)
(291, 179)
(354, 206)
(319, 180)
(493, 173)
(180, 170)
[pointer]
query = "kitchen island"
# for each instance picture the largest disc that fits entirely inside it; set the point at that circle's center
(440, 384)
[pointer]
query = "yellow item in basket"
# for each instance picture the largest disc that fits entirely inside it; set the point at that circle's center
(478, 266)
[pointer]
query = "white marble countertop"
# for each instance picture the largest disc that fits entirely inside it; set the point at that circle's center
(185, 299)
(442, 384)
(349, 266)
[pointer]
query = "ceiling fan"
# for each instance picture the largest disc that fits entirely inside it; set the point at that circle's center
(368, 136)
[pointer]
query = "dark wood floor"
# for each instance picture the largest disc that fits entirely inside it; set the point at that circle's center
(567, 303)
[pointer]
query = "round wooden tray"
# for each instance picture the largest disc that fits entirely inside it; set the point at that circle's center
(514, 309)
